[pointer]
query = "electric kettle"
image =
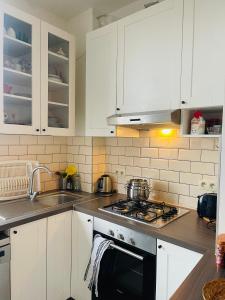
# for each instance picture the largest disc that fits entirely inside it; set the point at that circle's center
(104, 185)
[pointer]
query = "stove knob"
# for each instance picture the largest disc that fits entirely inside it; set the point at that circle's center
(132, 241)
(121, 237)
(175, 211)
(111, 232)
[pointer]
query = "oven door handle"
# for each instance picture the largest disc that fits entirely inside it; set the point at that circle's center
(139, 257)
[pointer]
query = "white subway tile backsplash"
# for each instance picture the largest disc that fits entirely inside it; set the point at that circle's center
(125, 142)
(141, 142)
(191, 155)
(28, 140)
(17, 150)
(168, 153)
(133, 171)
(170, 176)
(9, 139)
(132, 151)
(173, 166)
(179, 188)
(189, 202)
(190, 178)
(126, 160)
(150, 152)
(150, 173)
(45, 140)
(141, 162)
(117, 151)
(202, 143)
(210, 156)
(4, 150)
(176, 165)
(203, 168)
(159, 164)
(36, 149)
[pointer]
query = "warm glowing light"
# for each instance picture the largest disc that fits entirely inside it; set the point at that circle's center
(166, 132)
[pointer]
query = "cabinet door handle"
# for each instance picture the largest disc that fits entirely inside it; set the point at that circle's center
(160, 247)
(183, 102)
(118, 109)
(44, 129)
(111, 131)
(37, 130)
(89, 220)
(15, 231)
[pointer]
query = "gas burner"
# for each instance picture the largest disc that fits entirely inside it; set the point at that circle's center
(122, 207)
(156, 214)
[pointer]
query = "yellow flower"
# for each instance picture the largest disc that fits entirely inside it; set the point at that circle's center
(71, 170)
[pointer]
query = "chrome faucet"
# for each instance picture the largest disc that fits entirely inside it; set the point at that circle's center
(31, 194)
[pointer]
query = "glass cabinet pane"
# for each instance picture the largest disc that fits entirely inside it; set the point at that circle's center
(17, 71)
(58, 82)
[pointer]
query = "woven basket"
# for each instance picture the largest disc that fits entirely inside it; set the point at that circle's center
(214, 290)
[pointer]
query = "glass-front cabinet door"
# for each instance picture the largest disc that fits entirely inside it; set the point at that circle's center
(19, 72)
(57, 78)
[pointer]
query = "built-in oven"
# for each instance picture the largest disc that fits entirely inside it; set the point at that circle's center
(128, 268)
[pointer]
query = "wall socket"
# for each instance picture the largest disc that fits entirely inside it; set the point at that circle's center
(208, 186)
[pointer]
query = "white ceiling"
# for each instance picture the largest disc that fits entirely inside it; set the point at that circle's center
(69, 8)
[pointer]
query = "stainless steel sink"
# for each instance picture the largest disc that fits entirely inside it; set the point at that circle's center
(57, 198)
(25, 207)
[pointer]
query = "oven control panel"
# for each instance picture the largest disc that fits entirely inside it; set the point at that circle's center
(126, 235)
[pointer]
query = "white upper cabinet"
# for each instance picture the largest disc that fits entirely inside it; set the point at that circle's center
(19, 71)
(57, 78)
(149, 58)
(37, 76)
(203, 61)
(101, 73)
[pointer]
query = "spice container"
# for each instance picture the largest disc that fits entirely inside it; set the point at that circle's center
(220, 251)
(198, 124)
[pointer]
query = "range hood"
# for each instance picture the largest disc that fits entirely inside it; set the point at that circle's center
(146, 120)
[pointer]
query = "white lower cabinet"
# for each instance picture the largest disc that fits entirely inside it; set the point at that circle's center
(82, 233)
(174, 264)
(41, 259)
(59, 256)
(28, 261)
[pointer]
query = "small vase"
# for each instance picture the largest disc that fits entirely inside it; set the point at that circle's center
(62, 183)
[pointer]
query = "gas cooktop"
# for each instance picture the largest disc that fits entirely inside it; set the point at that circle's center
(155, 214)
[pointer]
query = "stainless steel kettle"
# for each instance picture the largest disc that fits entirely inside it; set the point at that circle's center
(104, 185)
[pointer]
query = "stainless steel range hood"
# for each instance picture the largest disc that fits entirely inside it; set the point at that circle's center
(146, 120)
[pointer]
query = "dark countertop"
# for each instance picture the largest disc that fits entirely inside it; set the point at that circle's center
(188, 231)
(21, 211)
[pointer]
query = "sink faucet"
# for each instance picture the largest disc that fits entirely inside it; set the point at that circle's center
(31, 194)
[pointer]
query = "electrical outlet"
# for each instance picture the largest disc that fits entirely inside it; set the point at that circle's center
(212, 187)
(208, 186)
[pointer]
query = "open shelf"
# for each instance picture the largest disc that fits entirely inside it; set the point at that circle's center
(15, 47)
(56, 58)
(12, 97)
(58, 104)
(17, 77)
(56, 84)
(209, 114)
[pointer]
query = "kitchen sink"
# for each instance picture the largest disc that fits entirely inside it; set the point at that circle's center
(25, 207)
(57, 198)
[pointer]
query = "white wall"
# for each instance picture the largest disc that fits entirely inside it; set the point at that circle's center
(37, 12)
(79, 26)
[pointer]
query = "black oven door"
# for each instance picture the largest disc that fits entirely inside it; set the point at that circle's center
(126, 277)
